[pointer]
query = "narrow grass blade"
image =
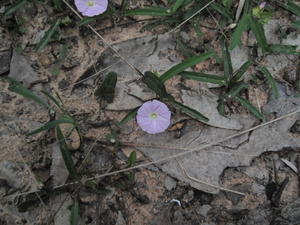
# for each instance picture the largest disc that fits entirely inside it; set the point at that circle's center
(18, 88)
(242, 26)
(296, 24)
(129, 116)
(132, 159)
(54, 100)
(148, 11)
(66, 154)
(107, 88)
(285, 49)
(189, 111)
(259, 33)
(220, 9)
(50, 125)
(74, 218)
(240, 72)
(86, 20)
(250, 107)
(237, 89)
(209, 78)
(228, 71)
(176, 5)
(17, 5)
(271, 81)
(155, 84)
(292, 7)
(48, 35)
(184, 65)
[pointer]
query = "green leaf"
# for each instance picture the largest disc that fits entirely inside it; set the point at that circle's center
(259, 33)
(250, 107)
(220, 9)
(131, 159)
(292, 7)
(242, 26)
(107, 88)
(285, 49)
(184, 65)
(74, 218)
(240, 72)
(66, 153)
(129, 116)
(271, 81)
(296, 24)
(51, 124)
(11, 9)
(18, 88)
(52, 98)
(86, 20)
(237, 89)
(209, 78)
(228, 71)
(176, 5)
(221, 107)
(189, 111)
(155, 84)
(148, 11)
(48, 35)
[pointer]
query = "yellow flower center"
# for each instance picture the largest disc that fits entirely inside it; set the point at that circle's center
(90, 3)
(153, 115)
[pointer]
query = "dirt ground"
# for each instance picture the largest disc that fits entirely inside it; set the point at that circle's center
(34, 183)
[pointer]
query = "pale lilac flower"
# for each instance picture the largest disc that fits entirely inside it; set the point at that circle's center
(91, 7)
(153, 117)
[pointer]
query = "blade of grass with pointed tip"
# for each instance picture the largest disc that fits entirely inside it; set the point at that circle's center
(209, 78)
(74, 217)
(237, 89)
(259, 34)
(131, 159)
(18, 88)
(155, 84)
(148, 11)
(242, 26)
(292, 7)
(129, 116)
(228, 70)
(50, 125)
(48, 35)
(271, 81)
(220, 9)
(240, 72)
(189, 111)
(176, 5)
(285, 49)
(184, 65)
(17, 5)
(250, 107)
(66, 154)
(107, 88)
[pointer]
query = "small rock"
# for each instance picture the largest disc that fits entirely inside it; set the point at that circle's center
(5, 61)
(258, 189)
(203, 210)
(170, 183)
(188, 196)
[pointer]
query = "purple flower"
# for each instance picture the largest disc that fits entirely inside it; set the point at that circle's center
(262, 5)
(153, 117)
(91, 7)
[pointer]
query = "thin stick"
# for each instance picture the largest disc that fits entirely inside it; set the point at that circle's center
(196, 150)
(181, 24)
(208, 184)
(104, 41)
